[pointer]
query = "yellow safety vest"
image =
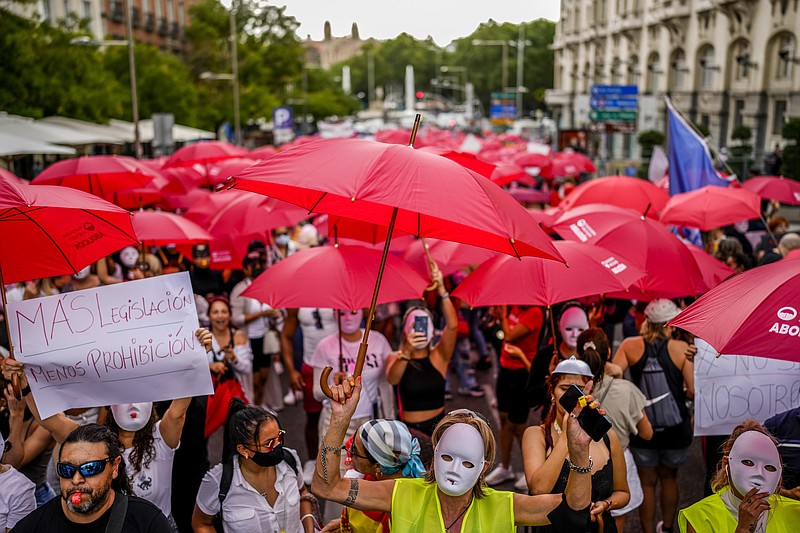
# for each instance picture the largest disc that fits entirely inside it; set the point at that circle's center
(710, 515)
(416, 509)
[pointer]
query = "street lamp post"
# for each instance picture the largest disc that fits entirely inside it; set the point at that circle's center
(504, 44)
(224, 76)
(237, 126)
(520, 66)
(463, 71)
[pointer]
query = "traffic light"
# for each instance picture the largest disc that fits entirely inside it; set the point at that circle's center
(420, 95)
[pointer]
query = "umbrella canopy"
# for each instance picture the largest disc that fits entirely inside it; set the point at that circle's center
(135, 198)
(671, 270)
(621, 191)
(347, 282)
(714, 271)
(755, 313)
(431, 196)
(183, 202)
(711, 207)
(507, 172)
(203, 153)
(505, 280)
(784, 190)
(531, 159)
(10, 176)
(50, 231)
(263, 152)
(465, 159)
(98, 174)
(449, 256)
(220, 172)
(157, 228)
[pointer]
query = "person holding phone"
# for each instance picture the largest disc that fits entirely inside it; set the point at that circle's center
(545, 451)
(420, 367)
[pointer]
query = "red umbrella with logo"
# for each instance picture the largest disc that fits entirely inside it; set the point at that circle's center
(621, 191)
(711, 207)
(98, 174)
(784, 190)
(754, 313)
(402, 188)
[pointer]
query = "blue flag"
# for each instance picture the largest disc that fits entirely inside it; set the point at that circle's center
(690, 164)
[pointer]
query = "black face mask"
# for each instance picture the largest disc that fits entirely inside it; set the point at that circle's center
(257, 271)
(270, 458)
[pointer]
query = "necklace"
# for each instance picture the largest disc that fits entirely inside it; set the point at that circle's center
(447, 529)
(556, 427)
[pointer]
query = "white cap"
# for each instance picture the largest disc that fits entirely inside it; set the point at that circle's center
(575, 366)
(661, 311)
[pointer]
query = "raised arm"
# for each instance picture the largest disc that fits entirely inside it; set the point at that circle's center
(328, 484)
(447, 344)
(22, 449)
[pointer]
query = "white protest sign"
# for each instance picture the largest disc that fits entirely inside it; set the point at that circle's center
(124, 343)
(733, 388)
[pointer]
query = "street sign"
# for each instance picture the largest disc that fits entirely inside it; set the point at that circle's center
(612, 116)
(503, 108)
(603, 102)
(615, 90)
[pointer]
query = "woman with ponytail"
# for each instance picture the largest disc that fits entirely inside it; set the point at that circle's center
(624, 405)
(545, 454)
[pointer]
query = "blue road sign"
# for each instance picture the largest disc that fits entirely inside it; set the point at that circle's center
(614, 90)
(282, 118)
(602, 102)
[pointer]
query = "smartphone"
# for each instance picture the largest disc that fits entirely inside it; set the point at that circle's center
(421, 325)
(591, 420)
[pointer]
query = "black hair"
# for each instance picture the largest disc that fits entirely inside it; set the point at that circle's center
(94, 434)
(243, 426)
(596, 353)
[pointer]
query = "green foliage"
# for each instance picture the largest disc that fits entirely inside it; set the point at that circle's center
(742, 133)
(650, 139)
(791, 152)
(702, 129)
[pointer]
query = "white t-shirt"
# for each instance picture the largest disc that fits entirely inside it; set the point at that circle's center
(313, 334)
(327, 354)
(245, 510)
(154, 483)
(242, 305)
(17, 498)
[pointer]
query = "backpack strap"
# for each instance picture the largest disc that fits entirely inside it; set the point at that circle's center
(225, 482)
(288, 457)
(118, 511)
(605, 393)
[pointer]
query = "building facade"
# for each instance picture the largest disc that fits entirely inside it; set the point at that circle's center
(331, 50)
(724, 63)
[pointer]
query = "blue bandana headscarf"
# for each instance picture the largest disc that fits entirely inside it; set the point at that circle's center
(390, 443)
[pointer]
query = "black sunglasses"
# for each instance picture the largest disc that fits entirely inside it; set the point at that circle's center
(92, 468)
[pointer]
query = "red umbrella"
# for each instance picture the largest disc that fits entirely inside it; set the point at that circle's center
(335, 277)
(174, 202)
(220, 172)
(464, 159)
(505, 173)
(671, 270)
(263, 152)
(135, 198)
(449, 256)
(157, 228)
(714, 271)
(784, 190)
(97, 174)
(754, 313)
(531, 159)
(545, 217)
(583, 163)
(203, 153)
(532, 281)
(621, 191)
(50, 231)
(10, 176)
(529, 196)
(711, 207)
(339, 228)
(234, 218)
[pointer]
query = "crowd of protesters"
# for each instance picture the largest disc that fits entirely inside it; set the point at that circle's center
(384, 453)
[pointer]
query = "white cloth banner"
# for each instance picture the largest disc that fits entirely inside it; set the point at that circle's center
(733, 388)
(124, 343)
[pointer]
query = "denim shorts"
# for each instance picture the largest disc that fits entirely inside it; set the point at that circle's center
(671, 458)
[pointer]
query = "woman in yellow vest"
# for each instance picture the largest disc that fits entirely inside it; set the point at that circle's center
(453, 498)
(746, 486)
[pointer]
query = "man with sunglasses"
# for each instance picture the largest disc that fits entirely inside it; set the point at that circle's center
(95, 491)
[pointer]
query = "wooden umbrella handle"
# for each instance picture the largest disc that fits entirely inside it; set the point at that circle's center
(326, 372)
(16, 387)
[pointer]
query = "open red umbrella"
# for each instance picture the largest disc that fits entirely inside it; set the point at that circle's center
(449, 256)
(184, 201)
(135, 198)
(671, 270)
(203, 153)
(754, 313)
(531, 159)
(220, 172)
(711, 207)
(507, 172)
(338, 277)
(263, 152)
(583, 162)
(505, 280)
(97, 174)
(465, 159)
(10, 176)
(158, 228)
(714, 271)
(784, 190)
(621, 191)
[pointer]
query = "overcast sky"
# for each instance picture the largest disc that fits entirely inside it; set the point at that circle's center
(444, 20)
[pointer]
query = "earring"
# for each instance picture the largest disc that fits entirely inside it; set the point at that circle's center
(552, 399)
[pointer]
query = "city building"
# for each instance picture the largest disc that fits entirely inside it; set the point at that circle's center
(331, 50)
(724, 63)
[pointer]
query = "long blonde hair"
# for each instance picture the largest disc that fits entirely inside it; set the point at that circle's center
(652, 331)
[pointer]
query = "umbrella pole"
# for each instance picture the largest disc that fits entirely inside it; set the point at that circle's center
(15, 385)
(362, 348)
(553, 330)
(341, 357)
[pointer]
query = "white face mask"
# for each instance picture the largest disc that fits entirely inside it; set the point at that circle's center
(128, 256)
(754, 462)
(132, 416)
(83, 273)
(349, 322)
(572, 323)
(409, 325)
(458, 459)
(282, 240)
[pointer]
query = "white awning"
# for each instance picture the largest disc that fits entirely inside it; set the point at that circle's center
(108, 134)
(16, 145)
(179, 133)
(43, 132)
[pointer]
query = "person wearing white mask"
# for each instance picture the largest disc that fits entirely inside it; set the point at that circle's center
(452, 497)
(17, 497)
(82, 279)
(420, 367)
(282, 245)
(747, 489)
(149, 443)
(129, 260)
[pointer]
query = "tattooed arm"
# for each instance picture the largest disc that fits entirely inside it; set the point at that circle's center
(328, 484)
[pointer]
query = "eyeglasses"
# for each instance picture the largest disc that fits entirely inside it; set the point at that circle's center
(317, 319)
(353, 453)
(92, 468)
(470, 413)
(272, 443)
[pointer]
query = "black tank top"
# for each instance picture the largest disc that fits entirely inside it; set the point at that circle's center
(422, 386)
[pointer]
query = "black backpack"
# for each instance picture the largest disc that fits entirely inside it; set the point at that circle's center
(227, 478)
(662, 408)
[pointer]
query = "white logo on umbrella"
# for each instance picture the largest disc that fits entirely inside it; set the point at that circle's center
(787, 313)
